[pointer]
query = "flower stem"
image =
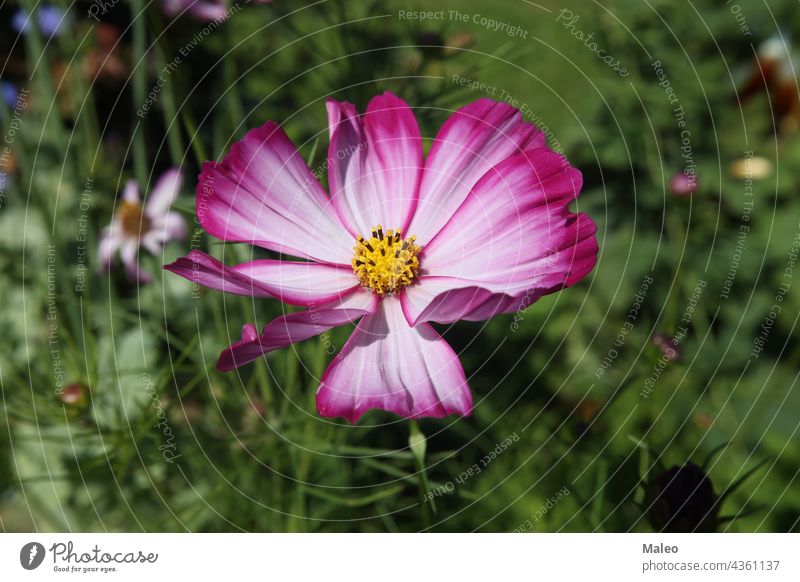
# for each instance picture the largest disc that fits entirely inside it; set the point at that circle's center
(417, 443)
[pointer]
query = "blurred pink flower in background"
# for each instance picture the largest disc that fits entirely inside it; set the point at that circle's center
(205, 10)
(151, 225)
(479, 227)
(683, 184)
(668, 346)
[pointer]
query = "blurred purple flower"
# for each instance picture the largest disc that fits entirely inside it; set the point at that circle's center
(19, 21)
(668, 347)
(10, 93)
(200, 9)
(151, 225)
(50, 19)
(683, 184)
(205, 10)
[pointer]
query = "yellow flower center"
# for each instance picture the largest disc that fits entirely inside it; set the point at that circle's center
(132, 218)
(385, 262)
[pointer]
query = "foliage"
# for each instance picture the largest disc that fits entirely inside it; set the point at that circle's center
(163, 442)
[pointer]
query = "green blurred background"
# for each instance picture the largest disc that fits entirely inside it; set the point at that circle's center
(604, 429)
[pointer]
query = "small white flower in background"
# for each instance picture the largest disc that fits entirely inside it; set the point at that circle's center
(150, 225)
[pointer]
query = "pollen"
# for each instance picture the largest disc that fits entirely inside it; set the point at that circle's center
(385, 263)
(132, 218)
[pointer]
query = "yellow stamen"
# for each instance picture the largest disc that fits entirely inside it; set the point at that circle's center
(385, 262)
(133, 220)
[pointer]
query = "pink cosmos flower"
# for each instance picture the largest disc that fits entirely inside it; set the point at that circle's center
(150, 226)
(480, 226)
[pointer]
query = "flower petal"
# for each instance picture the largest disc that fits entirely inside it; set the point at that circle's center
(163, 194)
(131, 192)
(209, 11)
(129, 251)
(447, 299)
(341, 113)
(293, 282)
(110, 241)
(296, 327)
(388, 365)
(263, 193)
(205, 10)
(512, 241)
(374, 163)
(472, 141)
(173, 226)
(170, 226)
